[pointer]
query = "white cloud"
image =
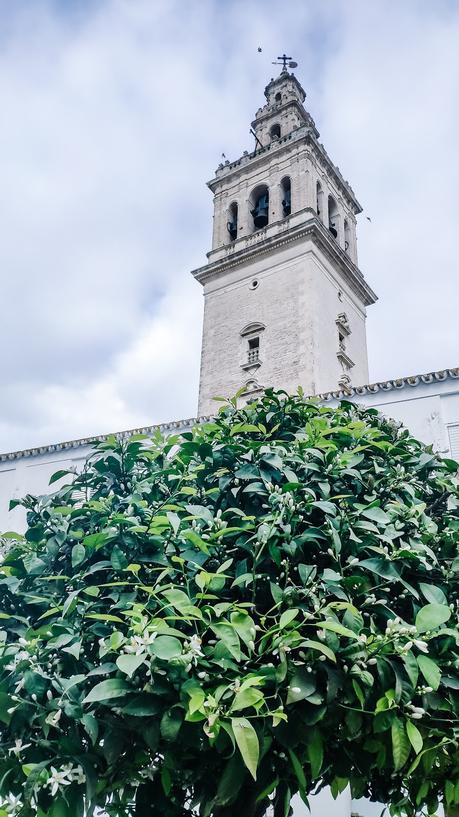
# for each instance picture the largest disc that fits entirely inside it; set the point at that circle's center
(113, 116)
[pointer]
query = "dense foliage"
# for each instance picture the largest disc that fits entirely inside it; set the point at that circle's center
(207, 624)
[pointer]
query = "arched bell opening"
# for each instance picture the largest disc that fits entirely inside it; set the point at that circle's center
(319, 200)
(259, 206)
(333, 216)
(275, 132)
(232, 221)
(286, 190)
(278, 97)
(347, 235)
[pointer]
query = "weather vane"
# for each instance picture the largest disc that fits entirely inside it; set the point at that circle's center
(284, 61)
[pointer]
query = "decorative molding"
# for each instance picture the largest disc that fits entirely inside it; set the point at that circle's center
(344, 358)
(342, 323)
(313, 228)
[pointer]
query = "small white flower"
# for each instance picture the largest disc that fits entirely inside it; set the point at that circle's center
(421, 645)
(78, 775)
(194, 645)
(57, 779)
(54, 717)
(11, 804)
(19, 685)
(18, 747)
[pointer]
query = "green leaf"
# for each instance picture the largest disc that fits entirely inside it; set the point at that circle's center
(196, 540)
(91, 726)
(58, 475)
(229, 637)
(196, 694)
(287, 617)
(411, 667)
(106, 690)
(432, 616)
(142, 705)
(414, 736)
(302, 685)
(315, 752)
(166, 647)
(336, 627)
(247, 742)
(320, 647)
(432, 594)
(171, 723)
(5, 704)
(430, 670)
(400, 744)
(377, 515)
(246, 698)
(129, 663)
(240, 428)
(78, 554)
(298, 769)
(180, 601)
(230, 781)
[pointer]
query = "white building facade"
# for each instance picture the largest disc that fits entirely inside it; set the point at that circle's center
(285, 306)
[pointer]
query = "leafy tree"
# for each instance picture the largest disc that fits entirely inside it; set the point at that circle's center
(212, 623)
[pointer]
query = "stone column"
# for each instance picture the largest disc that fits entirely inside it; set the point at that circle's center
(244, 217)
(323, 206)
(309, 187)
(339, 227)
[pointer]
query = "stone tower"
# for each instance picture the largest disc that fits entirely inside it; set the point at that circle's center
(285, 301)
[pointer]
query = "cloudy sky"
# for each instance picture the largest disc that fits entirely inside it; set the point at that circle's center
(114, 113)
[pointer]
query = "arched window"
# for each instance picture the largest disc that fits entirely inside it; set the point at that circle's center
(319, 200)
(347, 235)
(275, 132)
(278, 97)
(333, 216)
(259, 206)
(286, 189)
(232, 221)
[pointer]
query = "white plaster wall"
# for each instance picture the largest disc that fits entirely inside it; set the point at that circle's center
(30, 475)
(279, 302)
(331, 296)
(298, 302)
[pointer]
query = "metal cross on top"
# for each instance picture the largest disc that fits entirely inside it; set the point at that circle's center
(284, 60)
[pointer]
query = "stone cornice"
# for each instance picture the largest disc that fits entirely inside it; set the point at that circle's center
(431, 378)
(311, 228)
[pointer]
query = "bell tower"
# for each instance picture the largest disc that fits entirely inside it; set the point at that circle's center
(284, 299)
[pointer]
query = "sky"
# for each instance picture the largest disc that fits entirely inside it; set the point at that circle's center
(114, 114)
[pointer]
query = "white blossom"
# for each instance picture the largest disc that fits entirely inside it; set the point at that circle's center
(18, 747)
(57, 779)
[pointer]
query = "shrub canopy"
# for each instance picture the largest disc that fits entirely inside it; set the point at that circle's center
(205, 624)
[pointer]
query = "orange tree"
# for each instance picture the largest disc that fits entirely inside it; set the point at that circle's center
(212, 623)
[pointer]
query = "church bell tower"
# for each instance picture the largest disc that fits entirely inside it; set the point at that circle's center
(284, 299)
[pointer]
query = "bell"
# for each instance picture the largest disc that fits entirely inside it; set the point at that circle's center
(260, 211)
(232, 229)
(287, 204)
(333, 231)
